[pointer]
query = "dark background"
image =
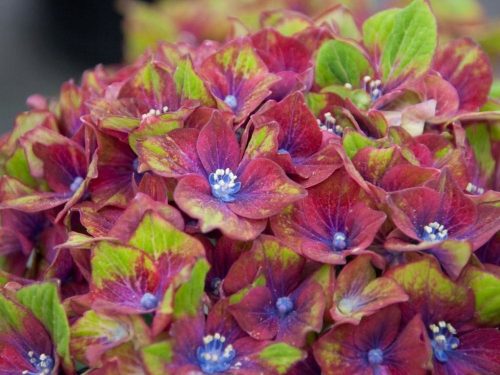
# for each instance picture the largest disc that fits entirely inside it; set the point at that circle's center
(45, 42)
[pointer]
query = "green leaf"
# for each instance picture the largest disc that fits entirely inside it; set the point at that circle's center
(44, 301)
(156, 236)
(486, 287)
(280, 356)
(189, 85)
(353, 142)
(411, 44)
(188, 296)
(340, 62)
(376, 30)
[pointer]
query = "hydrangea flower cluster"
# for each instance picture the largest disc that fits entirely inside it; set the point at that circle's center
(317, 197)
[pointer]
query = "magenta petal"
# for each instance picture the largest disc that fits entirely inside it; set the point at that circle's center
(319, 166)
(299, 135)
(36, 202)
(265, 190)
(337, 205)
(194, 196)
(477, 353)
(467, 67)
(217, 146)
(254, 314)
(404, 176)
(433, 86)
(309, 305)
(411, 352)
(412, 209)
(173, 155)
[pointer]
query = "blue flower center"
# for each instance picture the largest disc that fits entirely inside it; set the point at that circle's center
(284, 305)
(329, 124)
(75, 185)
(149, 301)
(214, 356)
(443, 340)
(375, 356)
(339, 241)
(434, 232)
(42, 364)
(231, 101)
(224, 185)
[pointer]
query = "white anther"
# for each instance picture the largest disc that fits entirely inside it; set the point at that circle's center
(367, 79)
(348, 86)
(208, 339)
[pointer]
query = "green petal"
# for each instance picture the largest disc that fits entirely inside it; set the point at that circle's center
(188, 296)
(44, 301)
(486, 287)
(280, 357)
(156, 236)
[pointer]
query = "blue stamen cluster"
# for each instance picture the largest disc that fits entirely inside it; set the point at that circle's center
(443, 340)
(149, 301)
(223, 184)
(375, 357)
(214, 356)
(329, 124)
(284, 305)
(434, 232)
(231, 101)
(42, 363)
(339, 242)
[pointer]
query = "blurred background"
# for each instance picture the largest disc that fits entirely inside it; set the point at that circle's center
(46, 42)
